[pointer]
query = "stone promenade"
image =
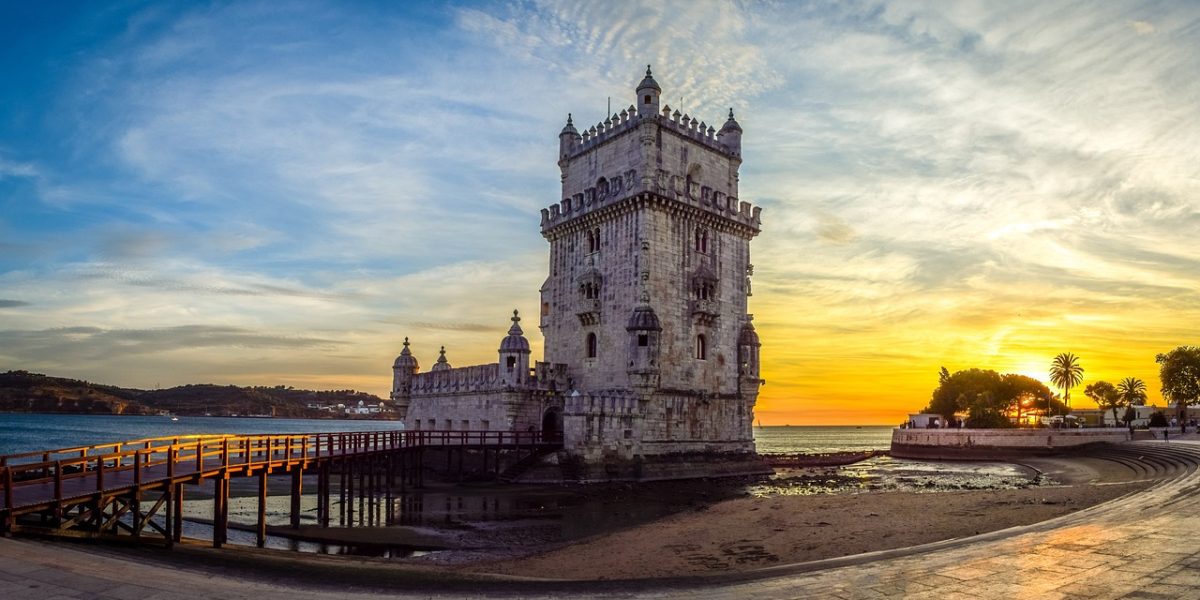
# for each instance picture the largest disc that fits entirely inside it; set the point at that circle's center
(1144, 545)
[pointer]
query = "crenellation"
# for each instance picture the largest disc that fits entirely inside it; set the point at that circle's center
(649, 347)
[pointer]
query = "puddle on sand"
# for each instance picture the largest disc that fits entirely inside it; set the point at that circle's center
(884, 473)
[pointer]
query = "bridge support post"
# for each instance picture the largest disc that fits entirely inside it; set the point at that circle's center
(297, 489)
(260, 539)
(323, 499)
(177, 514)
(342, 492)
(220, 511)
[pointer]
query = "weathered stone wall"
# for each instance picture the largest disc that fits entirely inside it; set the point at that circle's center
(982, 443)
(620, 424)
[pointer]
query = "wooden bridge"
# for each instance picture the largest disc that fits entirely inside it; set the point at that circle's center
(131, 489)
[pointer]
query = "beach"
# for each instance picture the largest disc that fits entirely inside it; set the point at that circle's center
(751, 531)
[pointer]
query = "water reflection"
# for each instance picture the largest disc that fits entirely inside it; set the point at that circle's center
(439, 517)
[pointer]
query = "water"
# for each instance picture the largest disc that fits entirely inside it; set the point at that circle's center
(511, 518)
(21, 432)
(820, 440)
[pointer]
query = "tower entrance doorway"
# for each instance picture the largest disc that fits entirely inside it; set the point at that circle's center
(552, 424)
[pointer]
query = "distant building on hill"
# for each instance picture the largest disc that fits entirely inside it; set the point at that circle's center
(651, 360)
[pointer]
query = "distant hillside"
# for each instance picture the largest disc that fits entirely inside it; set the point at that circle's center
(21, 391)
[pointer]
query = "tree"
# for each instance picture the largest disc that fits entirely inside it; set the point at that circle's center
(1133, 391)
(1065, 373)
(1158, 419)
(1023, 393)
(1105, 395)
(1130, 414)
(990, 399)
(1179, 371)
(962, 390)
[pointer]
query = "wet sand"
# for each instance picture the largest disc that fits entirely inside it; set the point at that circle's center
(755, 530)
(750, 533)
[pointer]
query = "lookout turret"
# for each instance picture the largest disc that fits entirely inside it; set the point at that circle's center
(403, 370)
(514, 354)
(648, 93)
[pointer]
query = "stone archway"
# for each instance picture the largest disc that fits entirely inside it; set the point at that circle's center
(552, 424)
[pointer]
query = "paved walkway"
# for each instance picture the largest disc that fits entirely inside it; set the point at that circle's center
(1144, 545)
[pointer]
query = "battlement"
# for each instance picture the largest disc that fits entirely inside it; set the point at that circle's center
(476, 378)
(628, 120)
(665, 187)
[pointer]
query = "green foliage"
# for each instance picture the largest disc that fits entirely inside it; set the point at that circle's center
(988, 397)
(1025, 394)
(1105, 395)
(963, 389)
(1133, 391)
(1065, 373)
(1158, 419)
(1179, 371)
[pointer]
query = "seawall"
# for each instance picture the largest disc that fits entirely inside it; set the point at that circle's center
(977, 444)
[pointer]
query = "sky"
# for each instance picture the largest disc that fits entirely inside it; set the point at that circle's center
(278, 193)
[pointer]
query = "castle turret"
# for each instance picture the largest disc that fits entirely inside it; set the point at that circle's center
(730, 135)
(403, 370)
(644, 331)
(442, 364)
(748, 366)
(648, 93)
(568, 138)
(514, 354)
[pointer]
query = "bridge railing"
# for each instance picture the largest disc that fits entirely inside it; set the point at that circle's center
(199, 454)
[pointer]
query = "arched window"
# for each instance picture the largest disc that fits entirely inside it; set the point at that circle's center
(593, 240)
(591, 345)
(701, 347)
(701, 240)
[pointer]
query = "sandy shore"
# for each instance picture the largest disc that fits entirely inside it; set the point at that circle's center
(731, 532)
(749, 533)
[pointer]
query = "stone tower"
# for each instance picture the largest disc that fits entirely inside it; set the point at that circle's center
(651, 361)
(646, 298)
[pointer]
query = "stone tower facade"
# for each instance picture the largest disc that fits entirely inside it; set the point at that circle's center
(651, 358)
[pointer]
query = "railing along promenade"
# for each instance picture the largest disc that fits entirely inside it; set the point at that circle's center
(126, 488)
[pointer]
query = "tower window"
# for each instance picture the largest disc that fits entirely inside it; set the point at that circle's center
(643, 340)
(701, 240)
(593, 240)
(591, 345)
(512, 363)
(591, 290)
(646, 99)
(701, 348)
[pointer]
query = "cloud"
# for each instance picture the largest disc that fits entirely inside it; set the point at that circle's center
(12, 303)
(93, 343)
(952, 183)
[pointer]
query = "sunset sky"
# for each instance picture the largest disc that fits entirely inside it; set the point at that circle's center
(279, 192)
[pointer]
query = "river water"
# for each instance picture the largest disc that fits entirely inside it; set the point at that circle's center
(514, 516)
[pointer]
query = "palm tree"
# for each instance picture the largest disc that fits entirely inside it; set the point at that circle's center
(1132, 391)
(1065, 373)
